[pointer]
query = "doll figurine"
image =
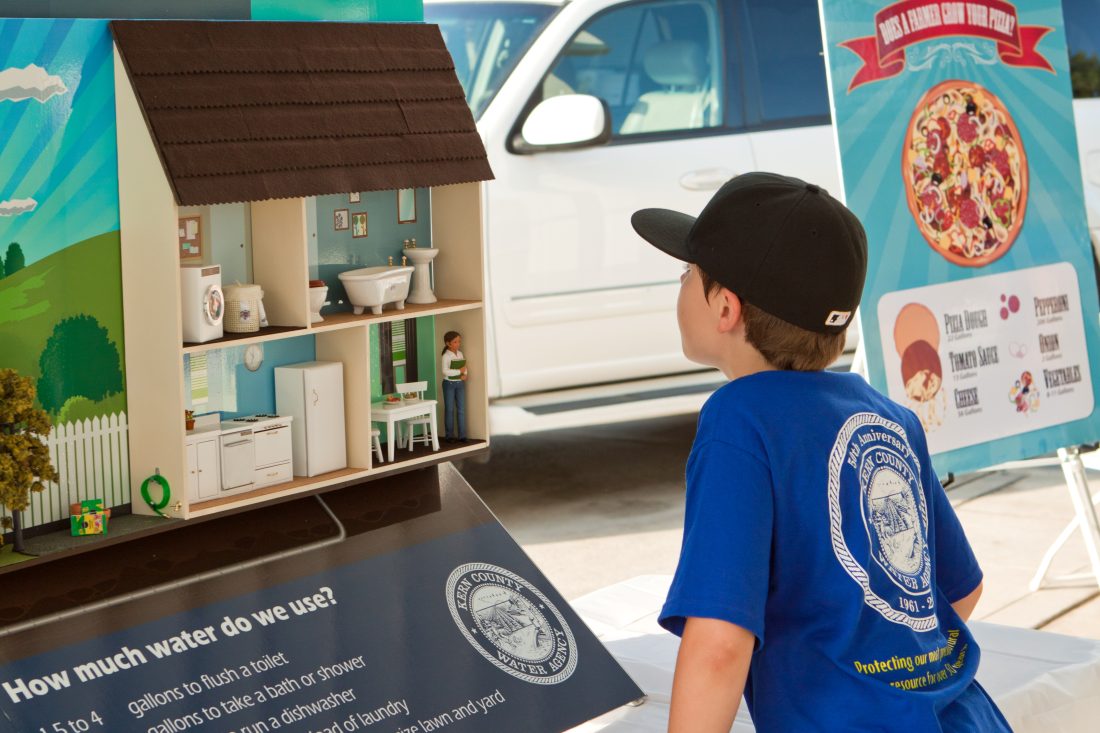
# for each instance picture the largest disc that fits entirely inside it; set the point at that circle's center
(454, 389)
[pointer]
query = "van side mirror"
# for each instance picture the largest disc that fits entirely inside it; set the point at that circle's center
(565, 122)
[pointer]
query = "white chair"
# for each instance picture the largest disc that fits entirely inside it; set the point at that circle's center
(376, 438)
(410, 438)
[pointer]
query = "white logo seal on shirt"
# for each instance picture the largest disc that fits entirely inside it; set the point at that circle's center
(877, 511)
(511, 623)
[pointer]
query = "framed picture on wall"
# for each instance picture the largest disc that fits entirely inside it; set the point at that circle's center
(406, 205)
(340, 220)
(190, 236)
(359, 224)
(354, 198)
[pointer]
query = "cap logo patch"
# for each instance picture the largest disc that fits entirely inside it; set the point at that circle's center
(838, 318)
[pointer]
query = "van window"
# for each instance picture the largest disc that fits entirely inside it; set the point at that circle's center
(486, 41)
(1083, 38)
(785, 66)
(658, 65)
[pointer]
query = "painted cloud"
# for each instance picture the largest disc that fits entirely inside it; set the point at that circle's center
(17, 206)
(32, 82)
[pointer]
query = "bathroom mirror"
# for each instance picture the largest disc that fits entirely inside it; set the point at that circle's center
(406, 205)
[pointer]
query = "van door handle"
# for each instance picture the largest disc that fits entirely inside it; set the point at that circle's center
(706, 179)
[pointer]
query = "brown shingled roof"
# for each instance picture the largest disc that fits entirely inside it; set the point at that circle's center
(246, 111)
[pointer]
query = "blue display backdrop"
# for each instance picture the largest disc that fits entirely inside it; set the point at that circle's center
(438, 622)
(957, 146)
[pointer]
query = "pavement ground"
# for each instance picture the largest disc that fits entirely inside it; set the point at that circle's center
(596, 505)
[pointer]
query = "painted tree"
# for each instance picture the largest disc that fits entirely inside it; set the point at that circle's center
(15, 261)
(79, 359)
(24, 458)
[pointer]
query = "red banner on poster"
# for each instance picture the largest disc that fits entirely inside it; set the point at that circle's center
(907, 22)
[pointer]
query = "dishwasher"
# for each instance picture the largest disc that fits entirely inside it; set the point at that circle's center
(238, 451)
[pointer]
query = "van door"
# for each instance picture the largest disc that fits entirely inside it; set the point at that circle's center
(786, 96)
(584, 299)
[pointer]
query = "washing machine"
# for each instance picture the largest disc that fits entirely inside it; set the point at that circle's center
(203, 303)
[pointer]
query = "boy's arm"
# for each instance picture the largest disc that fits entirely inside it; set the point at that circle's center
(965, 605)
(711, 669)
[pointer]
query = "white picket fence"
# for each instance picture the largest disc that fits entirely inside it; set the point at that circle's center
(92, 458)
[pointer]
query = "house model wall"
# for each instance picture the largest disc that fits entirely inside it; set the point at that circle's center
(161, 159)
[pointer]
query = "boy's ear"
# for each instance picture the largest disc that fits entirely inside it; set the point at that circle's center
(729, 310)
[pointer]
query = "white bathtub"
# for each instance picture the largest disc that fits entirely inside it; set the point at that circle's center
(373, 287)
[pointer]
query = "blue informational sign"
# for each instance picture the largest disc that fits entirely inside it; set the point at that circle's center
(439, 622)
(955, 130)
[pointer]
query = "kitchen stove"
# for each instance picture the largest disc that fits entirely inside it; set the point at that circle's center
(258, 421)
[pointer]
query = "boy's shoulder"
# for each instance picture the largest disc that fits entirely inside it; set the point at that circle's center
(783, 388)
(765, 403)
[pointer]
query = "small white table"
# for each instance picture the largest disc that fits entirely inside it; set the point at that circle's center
(382, 413)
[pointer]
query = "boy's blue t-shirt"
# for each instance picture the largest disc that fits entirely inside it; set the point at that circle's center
(815, 521)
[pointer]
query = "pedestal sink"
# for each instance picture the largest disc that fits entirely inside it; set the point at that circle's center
(421, 258)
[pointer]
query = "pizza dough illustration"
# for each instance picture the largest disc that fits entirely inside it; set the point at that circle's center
(916, 323)
(965, 173)
(917, 340)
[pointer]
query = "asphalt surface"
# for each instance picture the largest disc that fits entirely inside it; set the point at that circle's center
(591, 505)
(596, 505)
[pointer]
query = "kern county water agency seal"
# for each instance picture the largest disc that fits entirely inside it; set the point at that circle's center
(511, 623)
(877, 512)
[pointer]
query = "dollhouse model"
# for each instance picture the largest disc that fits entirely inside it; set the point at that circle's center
(300, 126)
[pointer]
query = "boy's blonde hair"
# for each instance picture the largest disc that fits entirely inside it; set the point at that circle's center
(782, 344)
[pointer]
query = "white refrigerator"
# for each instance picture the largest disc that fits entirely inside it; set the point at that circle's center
(313, 394)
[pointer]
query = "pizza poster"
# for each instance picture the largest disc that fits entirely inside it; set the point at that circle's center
(954, 126)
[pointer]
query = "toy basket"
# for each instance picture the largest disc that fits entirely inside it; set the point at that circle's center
(242, 307)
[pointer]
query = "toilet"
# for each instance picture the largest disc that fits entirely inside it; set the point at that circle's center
(318, 291)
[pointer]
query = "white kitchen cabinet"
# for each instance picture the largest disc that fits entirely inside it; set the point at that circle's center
(203, 469)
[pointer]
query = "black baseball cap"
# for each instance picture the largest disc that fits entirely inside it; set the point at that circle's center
(781, 244)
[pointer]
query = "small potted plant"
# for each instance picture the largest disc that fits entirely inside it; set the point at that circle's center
(189, 419)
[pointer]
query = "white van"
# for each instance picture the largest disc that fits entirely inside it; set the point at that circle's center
(591, 109)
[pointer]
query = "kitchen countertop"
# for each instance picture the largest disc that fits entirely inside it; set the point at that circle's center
(204, 431)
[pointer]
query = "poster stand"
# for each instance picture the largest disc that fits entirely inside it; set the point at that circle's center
(1084, 507)
(859, 358)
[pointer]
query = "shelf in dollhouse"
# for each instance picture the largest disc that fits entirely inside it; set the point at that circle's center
(348, 320)
(268, 333)
(333, 322)
(299, 484)
(419, 457)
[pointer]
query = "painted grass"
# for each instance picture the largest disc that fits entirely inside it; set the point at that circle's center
(85, 278)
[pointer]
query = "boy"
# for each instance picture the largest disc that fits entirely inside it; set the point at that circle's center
(823, 571)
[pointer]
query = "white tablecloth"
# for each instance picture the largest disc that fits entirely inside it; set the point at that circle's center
(1042, 682)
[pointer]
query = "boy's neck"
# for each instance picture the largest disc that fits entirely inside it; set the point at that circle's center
(744, 361)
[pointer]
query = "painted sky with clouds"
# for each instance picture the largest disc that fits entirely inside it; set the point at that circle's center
(60, 153)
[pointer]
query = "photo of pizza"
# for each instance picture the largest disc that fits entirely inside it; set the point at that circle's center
(965, 173)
